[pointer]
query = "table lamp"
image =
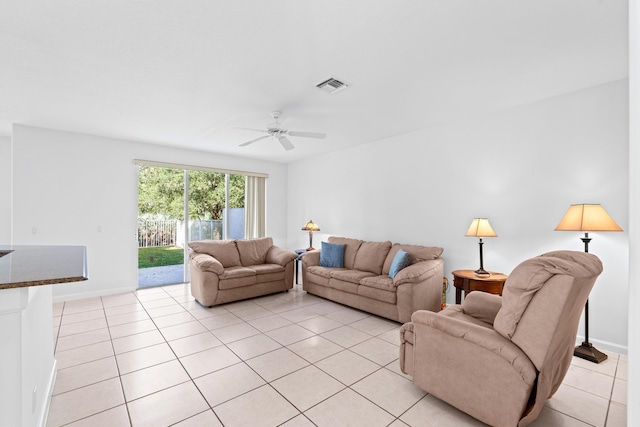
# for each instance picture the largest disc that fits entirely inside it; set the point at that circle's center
(310, 227)
(587, 217)
(480, 227)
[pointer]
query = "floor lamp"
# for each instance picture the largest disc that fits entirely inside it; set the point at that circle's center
(586, 217)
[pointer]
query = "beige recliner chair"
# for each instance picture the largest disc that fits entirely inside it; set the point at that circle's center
(500, 358)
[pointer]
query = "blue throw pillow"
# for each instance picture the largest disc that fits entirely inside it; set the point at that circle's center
(332, 255)
(401, 260)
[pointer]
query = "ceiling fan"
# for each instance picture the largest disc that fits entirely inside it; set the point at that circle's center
(275, 131)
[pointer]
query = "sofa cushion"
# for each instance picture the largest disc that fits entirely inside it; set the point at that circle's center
(236, 277)
(401, 260)
(332, 255)
(383, 282)
(224, 251)
(350, 249)
(378, 294)
(268, 272)
(352, 276)
(318, 275)
(343, 286)
(418, 253)
(254, 251)
(371, 255)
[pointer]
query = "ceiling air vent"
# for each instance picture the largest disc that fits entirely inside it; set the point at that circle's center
(332, 86)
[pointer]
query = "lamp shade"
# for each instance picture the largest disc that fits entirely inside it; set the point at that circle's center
(587, 217)
(480, 227)
(311, 226)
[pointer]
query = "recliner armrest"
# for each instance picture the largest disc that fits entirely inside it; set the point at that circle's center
(478, 335)
(280, 256)
(481, 305)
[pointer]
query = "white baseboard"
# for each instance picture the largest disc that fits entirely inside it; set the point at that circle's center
(93, 294)
(604, 346)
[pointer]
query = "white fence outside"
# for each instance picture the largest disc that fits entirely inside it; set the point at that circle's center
(159, 233)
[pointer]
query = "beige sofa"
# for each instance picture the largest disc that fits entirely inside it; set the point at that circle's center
(500, 358)
(231, 270)
(364, 281)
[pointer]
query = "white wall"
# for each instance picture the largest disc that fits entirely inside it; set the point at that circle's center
(5, 191)
(76, 189)
(633, 392)
(520, 167)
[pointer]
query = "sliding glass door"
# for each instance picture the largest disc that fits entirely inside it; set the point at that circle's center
(181, 205)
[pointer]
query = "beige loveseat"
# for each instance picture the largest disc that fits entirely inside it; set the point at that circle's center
(231, 270)
(364, 281)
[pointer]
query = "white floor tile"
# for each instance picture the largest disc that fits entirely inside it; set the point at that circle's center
(307, 387)
(208, 361)
(433, 412)
(168, 406)
(276, 364)
(347, 408)
(253, 346)
(268, 409)
(83, 402)
(203, 419)
(391, 392)
(227, 383)
(580, 404)
(377, 350)
(177, 359)
(144, 358)
(347, 367)
(315, 348)
(194, 344)
(290, 334)
(145, 381)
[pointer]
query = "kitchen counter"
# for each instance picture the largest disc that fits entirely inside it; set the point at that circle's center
(23, 265)
(27, 363)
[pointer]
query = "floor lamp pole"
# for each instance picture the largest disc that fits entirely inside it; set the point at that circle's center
(587, 351)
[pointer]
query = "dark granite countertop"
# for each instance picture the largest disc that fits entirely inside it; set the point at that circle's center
(25, 265)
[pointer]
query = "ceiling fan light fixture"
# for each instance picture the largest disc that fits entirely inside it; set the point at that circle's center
(332, 86)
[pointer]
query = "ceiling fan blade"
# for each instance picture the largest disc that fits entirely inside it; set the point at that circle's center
(307, 134)
(253, 129)
(244, 144)
(286, 144)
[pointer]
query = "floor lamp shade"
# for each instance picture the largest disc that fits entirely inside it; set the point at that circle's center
(587, 217)
(480, 227)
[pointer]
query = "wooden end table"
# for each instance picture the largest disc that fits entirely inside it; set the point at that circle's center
(467, 281)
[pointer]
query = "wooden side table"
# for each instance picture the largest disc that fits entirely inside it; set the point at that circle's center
(467, 281)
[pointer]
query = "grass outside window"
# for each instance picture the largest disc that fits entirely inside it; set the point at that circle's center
(161, 256)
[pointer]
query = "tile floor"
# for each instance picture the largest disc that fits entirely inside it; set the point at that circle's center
(155, 357)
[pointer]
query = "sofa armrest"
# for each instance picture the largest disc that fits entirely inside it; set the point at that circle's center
(205, 262)
(479, 336)
(481, 305)
(418, 272)
(280, 256)
(311, 258)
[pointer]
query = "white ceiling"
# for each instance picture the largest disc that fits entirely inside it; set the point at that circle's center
(187, 72)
